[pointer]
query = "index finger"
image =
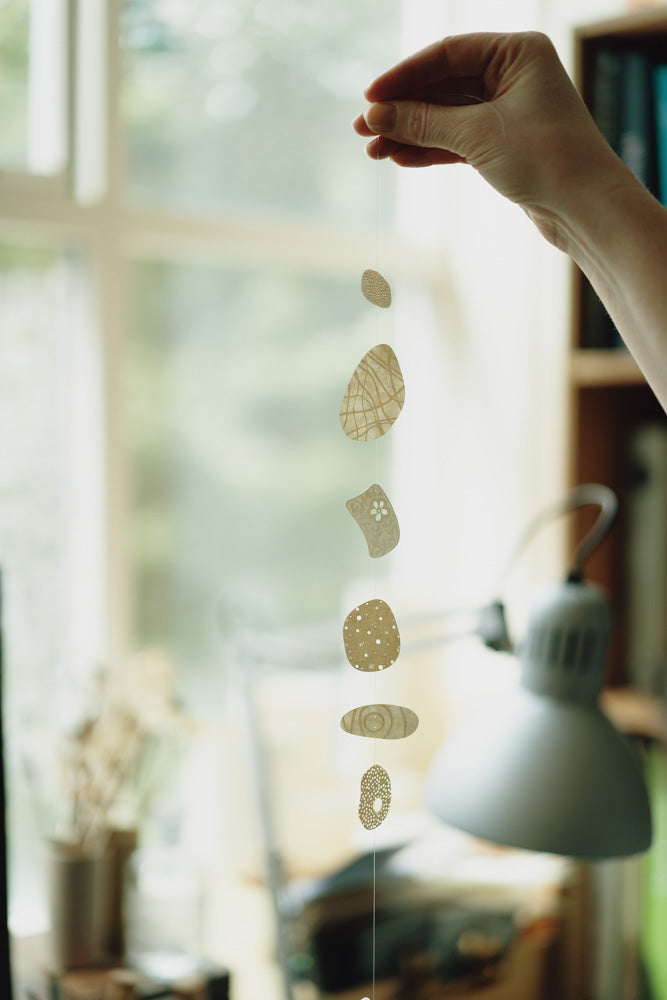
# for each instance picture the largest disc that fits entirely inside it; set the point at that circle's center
(458, 61)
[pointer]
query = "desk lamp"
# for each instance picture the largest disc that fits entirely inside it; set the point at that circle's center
(547, 770)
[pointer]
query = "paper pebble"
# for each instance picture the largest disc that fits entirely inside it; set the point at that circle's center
(371, 637)
(375, 516)
(375, 797)
(376, 288)
(374, 397)
(380, 722)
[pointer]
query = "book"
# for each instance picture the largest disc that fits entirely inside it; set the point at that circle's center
(606, 93)
(636, 145)
(660, 124)
(621, 102)
(597, 329)
(646, 559)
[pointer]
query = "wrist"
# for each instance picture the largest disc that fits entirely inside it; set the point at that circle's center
(591, 209)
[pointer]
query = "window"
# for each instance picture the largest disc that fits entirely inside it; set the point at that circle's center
(184, 216)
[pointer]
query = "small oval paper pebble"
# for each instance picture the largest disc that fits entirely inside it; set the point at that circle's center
(380, 722)
(376, 288)
(375, 797)
(371, 636)
(375, 395)
(375, 516)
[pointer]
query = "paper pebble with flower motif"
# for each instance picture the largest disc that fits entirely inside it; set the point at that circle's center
(375, 516)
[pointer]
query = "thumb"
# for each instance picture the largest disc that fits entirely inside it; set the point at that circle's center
(456, 129)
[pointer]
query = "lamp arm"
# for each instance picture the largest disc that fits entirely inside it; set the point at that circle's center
(580, 496)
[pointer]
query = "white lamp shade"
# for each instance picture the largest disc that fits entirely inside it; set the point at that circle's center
(545, 769)
(545, 775)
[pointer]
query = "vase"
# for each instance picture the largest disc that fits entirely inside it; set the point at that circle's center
(76, 891)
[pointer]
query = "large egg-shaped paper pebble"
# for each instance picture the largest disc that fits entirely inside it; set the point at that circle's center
(380, 722)
(375, 797)
(375, 396)
(375, 516)
(371, 637)
(376, 288)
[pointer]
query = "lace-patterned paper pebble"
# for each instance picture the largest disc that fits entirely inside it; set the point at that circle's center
(371, 637)
(375, 797)
(375, 516)
(375, 288)
(380, 722)
(374, 397)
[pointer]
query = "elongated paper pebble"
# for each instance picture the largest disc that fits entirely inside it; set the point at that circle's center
(371, 637)
(375, 516)
(375, 797)
(376, 288)
(374, 397)
(380, 722)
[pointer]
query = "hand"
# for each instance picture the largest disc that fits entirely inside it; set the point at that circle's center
(522, 124)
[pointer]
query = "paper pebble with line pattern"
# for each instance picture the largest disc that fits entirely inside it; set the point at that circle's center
(374, 397)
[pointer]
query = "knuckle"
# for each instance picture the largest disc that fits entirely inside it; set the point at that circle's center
(420, 124)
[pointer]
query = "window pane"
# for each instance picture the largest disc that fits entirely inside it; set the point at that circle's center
(247, 104)
(45, 541)
(14, 33)
(239, 467)
(33, 86)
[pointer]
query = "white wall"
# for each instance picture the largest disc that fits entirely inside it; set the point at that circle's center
(482, 442)
(495, 453)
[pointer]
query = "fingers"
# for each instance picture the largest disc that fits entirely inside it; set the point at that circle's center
(381, 148)
(419, 123)
(361, 128)
(465, 57)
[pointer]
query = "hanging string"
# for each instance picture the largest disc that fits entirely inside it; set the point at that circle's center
(375, 575)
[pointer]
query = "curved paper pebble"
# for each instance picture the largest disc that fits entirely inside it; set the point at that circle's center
(376, 288)
(375, 516)
(371, 637)
(375, 797)
(380, 722)
(375, 396)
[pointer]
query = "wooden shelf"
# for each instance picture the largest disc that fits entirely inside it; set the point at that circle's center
(609, 401)
(636, 714)
(642, 22)
(600, 368)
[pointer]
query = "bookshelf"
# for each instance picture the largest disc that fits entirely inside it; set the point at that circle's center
(609, 402)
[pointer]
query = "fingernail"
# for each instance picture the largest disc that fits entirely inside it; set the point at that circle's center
(381, 117)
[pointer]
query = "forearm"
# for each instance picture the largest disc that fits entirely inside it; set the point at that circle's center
(617, 234)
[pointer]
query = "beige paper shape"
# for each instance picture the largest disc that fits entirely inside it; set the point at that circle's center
(371, 637)
(375, 797)
(374, 397)
(375, 516)
(376, 288)
(380, 722)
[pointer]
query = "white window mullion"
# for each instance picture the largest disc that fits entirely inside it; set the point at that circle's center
(109, 296)
(83, 476)
(91, 100)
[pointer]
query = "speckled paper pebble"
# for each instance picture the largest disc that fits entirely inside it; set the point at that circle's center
(376, 288)
(375, 516)
(380, 722)
(374, 397)
(375, 797)
(371, 636)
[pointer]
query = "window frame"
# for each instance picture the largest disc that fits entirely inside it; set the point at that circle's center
(113, 232)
